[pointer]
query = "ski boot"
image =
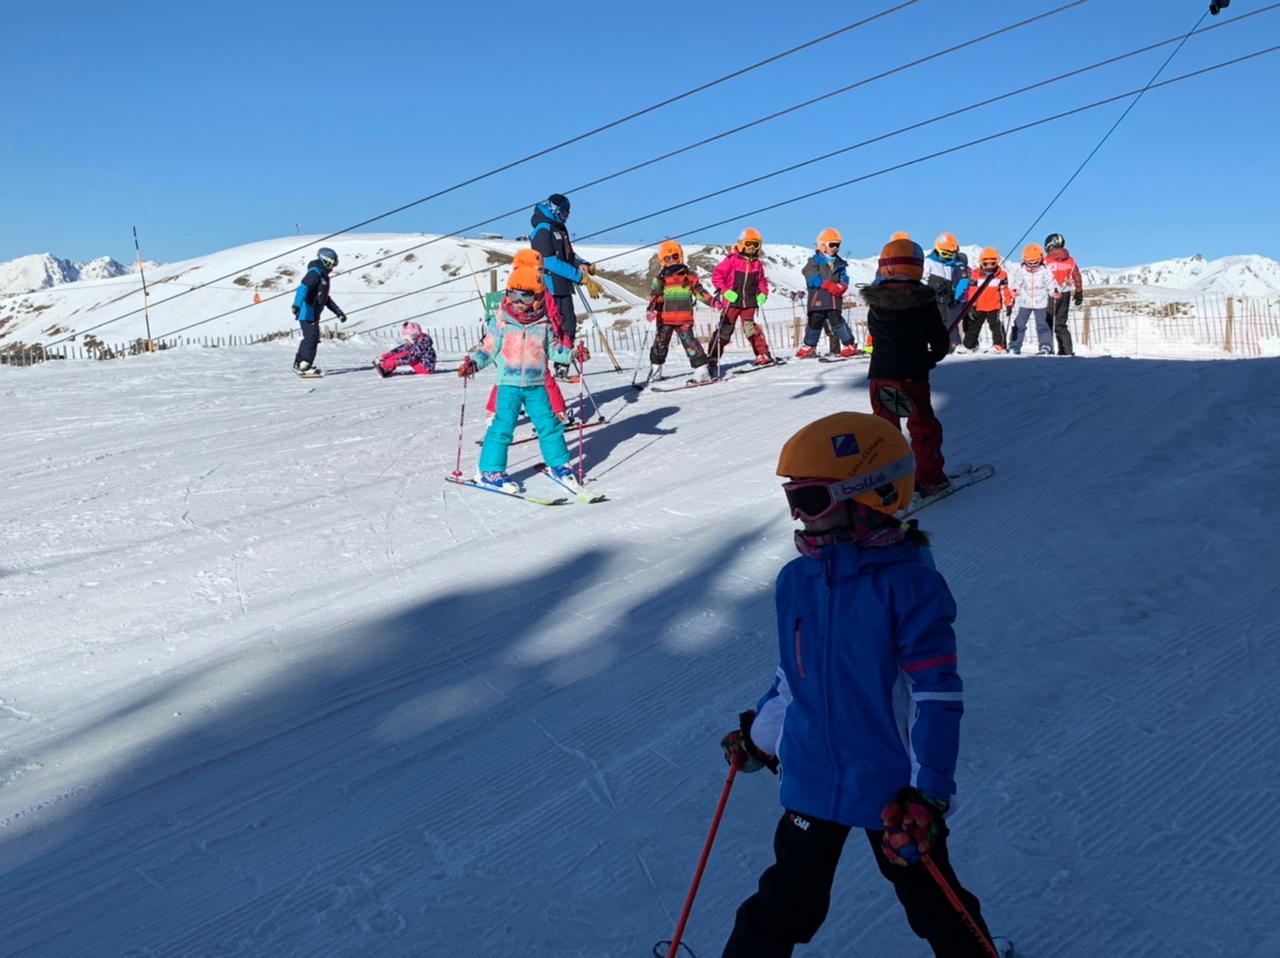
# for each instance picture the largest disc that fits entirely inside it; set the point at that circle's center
(848, 351)
(764, 359)
(566, 475)
(497, 480)
(806, 352)
(383, 371)
(1046, 350)
(306, 370)
(655, 372)
(713, 369)
(700, 375)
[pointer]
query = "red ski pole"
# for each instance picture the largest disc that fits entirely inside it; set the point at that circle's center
(462, 418)
(958, 905)
(702, 862)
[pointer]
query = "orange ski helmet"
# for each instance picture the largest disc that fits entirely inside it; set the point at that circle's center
(946, 246)
(527, 279)
(865, 458)
(901, 259)
(829, 237)
(749, 237)
(901, 234)
(527, 257)
(670, 252)
(1032, 253)
(989, 255)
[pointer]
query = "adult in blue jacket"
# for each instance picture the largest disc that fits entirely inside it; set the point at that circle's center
(864, 710)
(564, 268)
(309, 301)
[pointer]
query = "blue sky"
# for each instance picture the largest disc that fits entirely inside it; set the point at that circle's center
(211, 125)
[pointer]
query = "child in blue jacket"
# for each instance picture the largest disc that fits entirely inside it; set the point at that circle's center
(863, 715)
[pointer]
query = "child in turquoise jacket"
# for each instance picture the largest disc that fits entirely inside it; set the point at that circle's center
(521, 339)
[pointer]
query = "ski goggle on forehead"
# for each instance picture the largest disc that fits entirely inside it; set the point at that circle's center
(522, 296)
(812, 499)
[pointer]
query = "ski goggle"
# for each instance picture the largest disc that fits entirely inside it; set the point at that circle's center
(670, 258)
(813, 499)
(989, 263)
(946, 254)
(750, 246)
(521, 296)
(833, 245)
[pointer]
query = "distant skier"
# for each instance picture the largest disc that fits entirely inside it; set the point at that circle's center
(520, 340)
(308, 302)
(864, 711)
(533, 259)
(671, 298)
(910, 341)
(743, 288)
(564, 268)
(989, 292)
(826, 277)
(1067, 274)
(1033, 292)
(946, 272)
(417, 352)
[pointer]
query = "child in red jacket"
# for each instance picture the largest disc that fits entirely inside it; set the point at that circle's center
(988, 293)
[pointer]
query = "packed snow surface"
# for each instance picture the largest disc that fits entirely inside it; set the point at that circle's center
(272, 687)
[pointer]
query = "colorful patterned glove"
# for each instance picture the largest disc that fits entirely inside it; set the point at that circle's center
(912, 826)
(729, 296)
(467, 367)
(737, 744)
(1078, 299)
(760, 298)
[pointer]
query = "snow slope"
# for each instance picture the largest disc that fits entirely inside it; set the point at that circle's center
(271, 687)
(385, 278)
(44, 270)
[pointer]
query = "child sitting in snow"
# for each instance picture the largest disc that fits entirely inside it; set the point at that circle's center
(417, 352)
(520, 340)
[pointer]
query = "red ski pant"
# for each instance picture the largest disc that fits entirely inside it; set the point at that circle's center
(553, 390)
(892, 399)
(728, 319)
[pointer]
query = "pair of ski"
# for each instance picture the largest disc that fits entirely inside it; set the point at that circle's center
(578, 492)
(735, 371)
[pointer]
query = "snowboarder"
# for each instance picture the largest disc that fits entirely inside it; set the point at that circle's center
(987, 301)
(671, 298)
(910, 341)
(308, 303)
(864, 710)
(1033, 292)
(1067, 273)
(826, 276)
(532, 258)
(519, 341)
(565, 269)
(417, 352)
(946, 272)
(742, 287)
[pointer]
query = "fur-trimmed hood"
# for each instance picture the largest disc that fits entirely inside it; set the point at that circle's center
(894, 295)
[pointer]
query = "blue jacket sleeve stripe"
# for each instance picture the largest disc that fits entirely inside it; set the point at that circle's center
(559, 267)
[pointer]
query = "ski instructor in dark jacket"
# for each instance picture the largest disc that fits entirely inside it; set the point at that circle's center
(910, 340)
(308, 302)
(564, 268)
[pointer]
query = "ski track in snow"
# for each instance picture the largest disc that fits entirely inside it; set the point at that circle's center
(272, 688)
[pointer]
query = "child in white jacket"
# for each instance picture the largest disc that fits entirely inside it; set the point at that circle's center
(1035, 292)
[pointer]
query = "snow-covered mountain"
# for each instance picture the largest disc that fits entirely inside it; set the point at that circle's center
(44, 271)
(1231, 275)
(385, 278)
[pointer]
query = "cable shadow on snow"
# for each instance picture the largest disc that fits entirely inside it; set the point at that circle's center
(371, 785)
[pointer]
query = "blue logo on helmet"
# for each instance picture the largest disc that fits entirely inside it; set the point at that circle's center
(845, 445)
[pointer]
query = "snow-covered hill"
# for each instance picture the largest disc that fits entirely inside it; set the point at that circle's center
(272, 687)
(386, 278)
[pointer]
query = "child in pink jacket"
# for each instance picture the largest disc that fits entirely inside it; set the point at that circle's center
(741, 285)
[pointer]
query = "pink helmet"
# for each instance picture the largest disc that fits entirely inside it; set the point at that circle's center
(410, 332)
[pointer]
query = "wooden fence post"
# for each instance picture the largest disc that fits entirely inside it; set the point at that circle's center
(1088, 322)
(1231, 319)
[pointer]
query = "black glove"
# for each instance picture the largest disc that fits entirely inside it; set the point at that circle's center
(1078, 299)
(1008, 312)
(296, 310)
(737, 744)
(342, 317)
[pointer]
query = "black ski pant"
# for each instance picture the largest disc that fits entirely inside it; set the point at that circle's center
(662, 342)
(310, 340)
(795, 893)
(1058, 320)
(973, 327)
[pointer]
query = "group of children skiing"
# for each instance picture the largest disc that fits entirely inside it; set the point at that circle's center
(863, 712)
